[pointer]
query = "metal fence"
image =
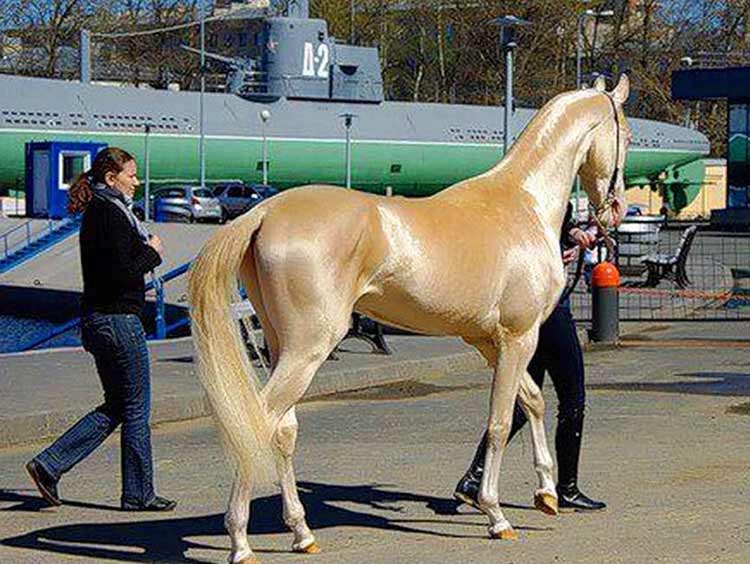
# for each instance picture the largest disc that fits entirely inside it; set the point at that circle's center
(717, 267)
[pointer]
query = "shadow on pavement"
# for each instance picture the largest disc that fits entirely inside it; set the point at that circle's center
(32, 502)
(167, 540)
(701, 383)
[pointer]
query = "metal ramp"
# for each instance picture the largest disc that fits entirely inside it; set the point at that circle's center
(21, 244)
(162, 327)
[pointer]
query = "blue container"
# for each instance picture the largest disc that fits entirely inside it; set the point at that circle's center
(51, 167)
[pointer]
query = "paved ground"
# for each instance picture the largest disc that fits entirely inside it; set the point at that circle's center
(43, 392)
(666, 446)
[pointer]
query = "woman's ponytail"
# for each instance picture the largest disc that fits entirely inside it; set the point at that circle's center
(80, 193)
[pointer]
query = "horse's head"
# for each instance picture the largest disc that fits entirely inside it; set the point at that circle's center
(602, 168)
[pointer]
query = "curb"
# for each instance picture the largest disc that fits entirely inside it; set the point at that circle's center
(40, 426)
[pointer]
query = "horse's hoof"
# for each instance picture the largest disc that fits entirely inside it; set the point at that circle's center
(311, 548)
(505, 534)
(546, 503)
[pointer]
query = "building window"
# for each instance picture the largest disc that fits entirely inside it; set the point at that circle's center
(71, 165)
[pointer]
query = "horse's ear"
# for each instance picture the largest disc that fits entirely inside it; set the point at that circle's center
(600, 84)
(622, 90)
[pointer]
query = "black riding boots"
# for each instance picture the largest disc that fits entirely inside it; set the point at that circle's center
(568, 447)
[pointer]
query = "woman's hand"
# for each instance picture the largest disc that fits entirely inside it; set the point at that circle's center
(155, 243)
(570, 255)
(584, 239)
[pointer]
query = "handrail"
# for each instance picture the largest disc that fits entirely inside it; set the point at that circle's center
(16, 228)
(162, 330)
(171, 275)
(7, 234)
(157, 283)
(51, 228)
(67, 326)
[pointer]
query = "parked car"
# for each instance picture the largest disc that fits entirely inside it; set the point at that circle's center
(635, 210)
(237, 198)
(265, 190)
(187, 203)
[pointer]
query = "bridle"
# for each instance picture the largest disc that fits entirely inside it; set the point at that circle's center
(610, 197)
(596, 212)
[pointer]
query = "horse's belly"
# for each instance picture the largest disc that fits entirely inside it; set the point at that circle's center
(428, 313)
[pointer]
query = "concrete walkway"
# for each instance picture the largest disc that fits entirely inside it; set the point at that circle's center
(43, 392)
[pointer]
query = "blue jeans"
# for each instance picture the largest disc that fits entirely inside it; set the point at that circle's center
(118, 344)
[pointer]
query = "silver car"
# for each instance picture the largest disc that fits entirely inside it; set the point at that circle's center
(186, 203)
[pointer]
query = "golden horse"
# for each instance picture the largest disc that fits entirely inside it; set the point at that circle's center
(480, 260)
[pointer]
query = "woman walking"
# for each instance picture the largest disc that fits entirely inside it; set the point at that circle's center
(116, 253)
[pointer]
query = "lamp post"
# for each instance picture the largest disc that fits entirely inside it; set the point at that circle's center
(686, 63)
(508, 41)
(579, 37)
(202, 142)
(84, 56)
(147, 164)
(265, 115)
(579, 75)
(348, 119)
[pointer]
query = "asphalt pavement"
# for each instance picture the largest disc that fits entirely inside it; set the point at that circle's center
(666, 447)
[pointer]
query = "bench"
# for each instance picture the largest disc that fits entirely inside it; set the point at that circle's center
(671, 267)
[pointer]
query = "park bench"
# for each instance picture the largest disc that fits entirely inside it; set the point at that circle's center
(671, 267)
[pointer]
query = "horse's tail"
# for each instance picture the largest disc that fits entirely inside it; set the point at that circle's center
(232, 386)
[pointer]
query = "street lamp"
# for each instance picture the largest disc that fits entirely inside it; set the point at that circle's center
(579, 54)
(579, 37)
(147, 164)
(686, 63)
(348, 119)
(508, 41)
(202, 143)
(265, 115)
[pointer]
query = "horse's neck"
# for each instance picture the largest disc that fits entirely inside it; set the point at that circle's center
(544, 161)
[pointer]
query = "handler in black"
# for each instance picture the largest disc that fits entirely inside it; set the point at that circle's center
(559, 353)
(116, 252)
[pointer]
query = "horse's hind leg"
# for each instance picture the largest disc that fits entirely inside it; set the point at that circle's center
(294, 513)
(532, 402)
(236, 519)
(298, 362)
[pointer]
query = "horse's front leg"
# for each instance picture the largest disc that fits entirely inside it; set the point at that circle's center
(515, 352)
(531, 400)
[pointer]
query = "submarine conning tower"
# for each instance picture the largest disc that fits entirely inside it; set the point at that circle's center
(301, 61)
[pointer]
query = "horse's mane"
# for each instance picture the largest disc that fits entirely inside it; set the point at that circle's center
(551, 121)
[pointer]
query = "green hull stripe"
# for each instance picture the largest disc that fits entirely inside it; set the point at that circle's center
(411, 168)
